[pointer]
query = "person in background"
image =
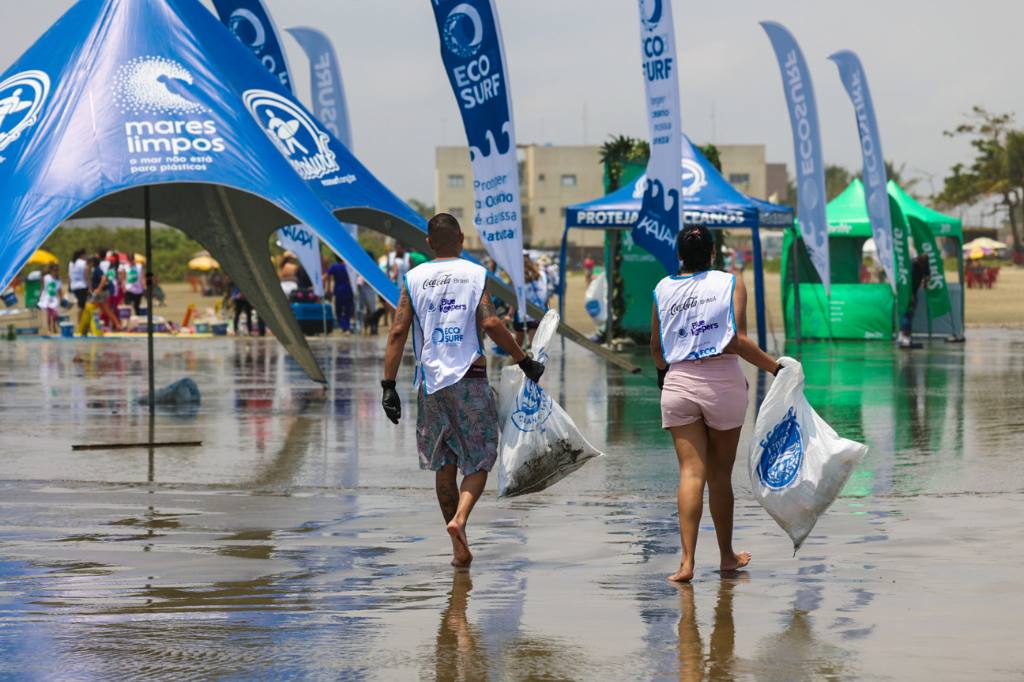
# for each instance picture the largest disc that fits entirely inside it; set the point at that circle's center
(368, 310)
(49, 300)
(919, 274)
(134, 282)
(536, 293)
(588, 269)
(288, 273)
(78, 281)
(447, 305)
(344, 304)
(242, 306)
(116, 277)
(698, 334)
(99, 290)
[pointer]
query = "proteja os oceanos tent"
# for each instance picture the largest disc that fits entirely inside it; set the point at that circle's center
(123, 94)
(708, 199)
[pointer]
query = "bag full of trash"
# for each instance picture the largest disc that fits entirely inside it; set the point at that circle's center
(596, 298)
(182, 392)
(540, 444)
(798, 464)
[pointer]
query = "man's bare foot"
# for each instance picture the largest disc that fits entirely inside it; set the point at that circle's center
(462, 557)
(684, 574)
(738, 561)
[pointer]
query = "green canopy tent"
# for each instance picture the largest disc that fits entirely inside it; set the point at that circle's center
(856, 310)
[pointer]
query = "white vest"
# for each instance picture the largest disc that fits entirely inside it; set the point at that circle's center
(445, 295)
(134, 281)
(537, 294)
(696, 315)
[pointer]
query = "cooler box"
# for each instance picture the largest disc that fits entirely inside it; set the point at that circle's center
(67, 329)
(311, 317)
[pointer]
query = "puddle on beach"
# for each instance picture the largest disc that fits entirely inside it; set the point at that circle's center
(301, 541)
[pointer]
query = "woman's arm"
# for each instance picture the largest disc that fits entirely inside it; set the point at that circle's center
(741, 344)
(656, 350)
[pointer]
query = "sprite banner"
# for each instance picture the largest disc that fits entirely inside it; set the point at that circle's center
(474, 57)
(875, 190)
(901, 255)
(660, 213)
(250, 21)
(810, 169)
(936, 290)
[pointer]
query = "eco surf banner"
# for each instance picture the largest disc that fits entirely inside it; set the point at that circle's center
(251, 23)
(875, 192)
(660, 215)
(810, 168)
(329, 104)
(474, 57)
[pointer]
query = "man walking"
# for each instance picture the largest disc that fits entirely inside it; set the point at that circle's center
(447, 304)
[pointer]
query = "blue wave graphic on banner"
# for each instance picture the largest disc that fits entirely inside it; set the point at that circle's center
(250, 21)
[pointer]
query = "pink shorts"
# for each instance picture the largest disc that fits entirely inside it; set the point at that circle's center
(713, 389)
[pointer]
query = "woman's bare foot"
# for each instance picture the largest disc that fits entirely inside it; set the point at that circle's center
(462, 557)
(738, 561)
(684, 574)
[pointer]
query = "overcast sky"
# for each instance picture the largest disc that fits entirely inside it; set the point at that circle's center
(927, 62)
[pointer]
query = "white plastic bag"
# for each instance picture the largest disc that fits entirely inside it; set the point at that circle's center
(597, 299)
(798, 465)
(540, 445)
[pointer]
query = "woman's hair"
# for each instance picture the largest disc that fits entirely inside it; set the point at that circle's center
(77, 254)
(93, 261)
(532, 272)
(694, 245)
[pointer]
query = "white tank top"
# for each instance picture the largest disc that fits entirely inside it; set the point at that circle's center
(696, 315)
(444, 296)
(537, 294)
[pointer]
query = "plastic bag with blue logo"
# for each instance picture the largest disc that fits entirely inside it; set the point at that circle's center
(798, 464)
(540, 444)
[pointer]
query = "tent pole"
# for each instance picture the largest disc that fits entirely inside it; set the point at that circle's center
(762, 334)
(796, 287)
(149, 309)
(613, 248)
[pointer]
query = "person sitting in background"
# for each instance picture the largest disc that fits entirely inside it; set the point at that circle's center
(242, 306)
(50, 299)
(337, 275)
(288, 273)
(588, 269)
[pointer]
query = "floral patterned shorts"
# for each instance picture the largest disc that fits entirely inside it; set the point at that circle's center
(458, 425)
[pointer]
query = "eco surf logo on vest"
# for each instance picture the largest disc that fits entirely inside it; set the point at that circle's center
(21, 100)
(447, 336)
(294, 133)
(164, 116)
(782, 451)
(533, 407)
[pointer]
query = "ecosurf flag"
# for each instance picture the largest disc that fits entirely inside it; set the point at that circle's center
(660, 213)
(936, 290)
(329, 104)
(252, 24)
(810, 168)
(474, 57)
(301, 241)
(875, 192)
(250, 21)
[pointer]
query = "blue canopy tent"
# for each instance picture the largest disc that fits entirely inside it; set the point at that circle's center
(708, 199)
(127, 108)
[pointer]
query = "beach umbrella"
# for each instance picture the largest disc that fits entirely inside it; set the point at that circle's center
(203, 263)
(985, 243)
(979, 252)
(41, 257)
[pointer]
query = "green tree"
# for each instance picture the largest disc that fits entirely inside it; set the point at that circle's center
(997, 169)
(837, 179)
(426, 210)
(615, 153)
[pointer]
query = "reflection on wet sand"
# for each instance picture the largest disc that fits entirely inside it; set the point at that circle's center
(459, 656)
(719, 662)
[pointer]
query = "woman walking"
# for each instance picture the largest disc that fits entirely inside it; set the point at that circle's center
(698, 334)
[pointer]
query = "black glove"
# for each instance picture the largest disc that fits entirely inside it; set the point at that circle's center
(661, 378)
(531, 368)
(391, 402)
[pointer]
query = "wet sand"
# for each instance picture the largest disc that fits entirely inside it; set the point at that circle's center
(301, 541)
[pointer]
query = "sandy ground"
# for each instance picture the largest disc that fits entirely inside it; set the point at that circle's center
(1002, 305)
